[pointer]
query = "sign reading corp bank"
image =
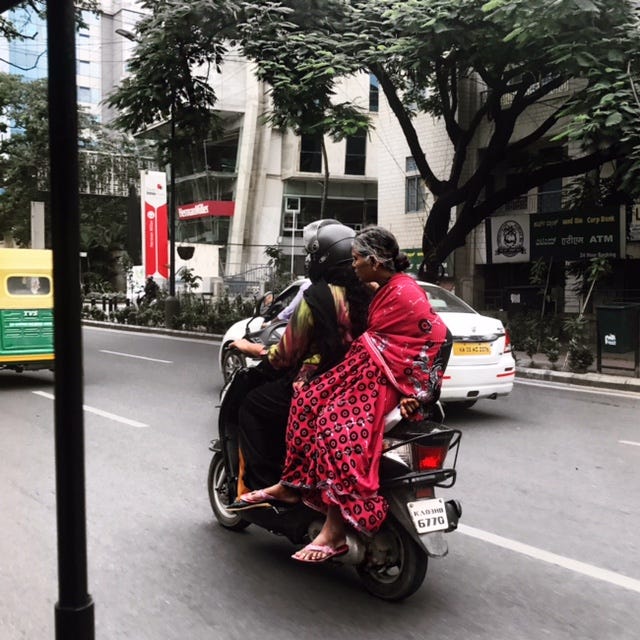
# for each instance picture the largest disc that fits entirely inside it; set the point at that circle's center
(568, 235)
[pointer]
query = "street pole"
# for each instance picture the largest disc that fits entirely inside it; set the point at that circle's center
(293, 238)
(74, 616)
(172, 305)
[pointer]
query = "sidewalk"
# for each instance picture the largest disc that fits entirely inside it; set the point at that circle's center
(621, 378)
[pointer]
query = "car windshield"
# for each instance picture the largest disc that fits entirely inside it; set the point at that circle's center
(444, 301)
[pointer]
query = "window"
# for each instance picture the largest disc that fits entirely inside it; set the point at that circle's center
(310, 154)
(414, 194)
(415, 197)
(84, 94)
(356, 155)
(28, 286)
(374, 93)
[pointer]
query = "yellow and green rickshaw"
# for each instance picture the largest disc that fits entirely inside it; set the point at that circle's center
(26, 309)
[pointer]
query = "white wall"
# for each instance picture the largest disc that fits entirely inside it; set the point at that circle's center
(392, 151)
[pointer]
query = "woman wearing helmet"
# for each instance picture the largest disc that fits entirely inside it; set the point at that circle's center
(332, 313)
(335, 430)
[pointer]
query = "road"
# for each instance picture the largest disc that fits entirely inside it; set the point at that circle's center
(548, 548)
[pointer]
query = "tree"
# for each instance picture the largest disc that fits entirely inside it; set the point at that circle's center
(24, 167)
(176, 46)
(303, 93)
(570, 60)
(16, 31)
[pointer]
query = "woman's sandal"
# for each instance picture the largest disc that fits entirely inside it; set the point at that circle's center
(324, 549)
(259, 498)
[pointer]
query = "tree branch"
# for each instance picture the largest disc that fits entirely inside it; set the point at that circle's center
(433, 183)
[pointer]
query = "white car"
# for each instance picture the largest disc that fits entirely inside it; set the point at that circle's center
(481, 363)
(231, 360)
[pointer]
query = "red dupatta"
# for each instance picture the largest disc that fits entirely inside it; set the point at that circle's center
(404, 336)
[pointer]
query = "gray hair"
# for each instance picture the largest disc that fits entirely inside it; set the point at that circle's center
(379, 244)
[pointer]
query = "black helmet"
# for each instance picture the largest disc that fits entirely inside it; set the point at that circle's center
(328, 245)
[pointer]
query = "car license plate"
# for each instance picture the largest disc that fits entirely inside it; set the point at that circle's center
(428, 515)
(471, 349)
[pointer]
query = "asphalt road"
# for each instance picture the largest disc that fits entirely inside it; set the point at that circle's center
(548, 548)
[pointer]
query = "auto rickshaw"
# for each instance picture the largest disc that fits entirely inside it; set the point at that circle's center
(26, 309)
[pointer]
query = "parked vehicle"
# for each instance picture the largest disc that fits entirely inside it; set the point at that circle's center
(26, 309)
(481, 363)
(267, 308)
(419, 457)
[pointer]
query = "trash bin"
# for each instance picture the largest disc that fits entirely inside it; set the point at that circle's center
(618, 327)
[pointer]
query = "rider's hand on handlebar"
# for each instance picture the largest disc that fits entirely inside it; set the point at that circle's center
(249, 348)
(408, 406)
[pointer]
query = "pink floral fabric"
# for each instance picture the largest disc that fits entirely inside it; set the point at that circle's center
(335, 428)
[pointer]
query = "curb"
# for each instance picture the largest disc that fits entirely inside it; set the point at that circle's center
(198, 335)
(597, 380)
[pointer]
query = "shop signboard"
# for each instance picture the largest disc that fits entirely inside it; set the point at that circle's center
(565, 235)
(576, 235)
(206, 209)
(155, 228)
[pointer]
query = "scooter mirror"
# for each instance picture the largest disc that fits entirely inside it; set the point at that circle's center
(263, 304)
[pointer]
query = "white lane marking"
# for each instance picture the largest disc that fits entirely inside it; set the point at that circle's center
(574, 387)
(566, 563)
(635, 444)
(99, 412)
(130, 355)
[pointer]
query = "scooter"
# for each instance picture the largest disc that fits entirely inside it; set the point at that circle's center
(419, 456)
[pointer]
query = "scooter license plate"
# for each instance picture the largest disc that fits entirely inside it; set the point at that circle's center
(428, 515)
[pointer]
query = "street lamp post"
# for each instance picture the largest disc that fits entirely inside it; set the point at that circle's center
(172, 304)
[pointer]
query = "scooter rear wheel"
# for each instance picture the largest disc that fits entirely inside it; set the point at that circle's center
(395, 566)
(219, 496)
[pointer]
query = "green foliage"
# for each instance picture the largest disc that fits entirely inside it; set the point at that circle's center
(551, 349)
(24, 168)
(176, 48)
(569, 58)
(190, 279)
(12, 31)
(579, 353)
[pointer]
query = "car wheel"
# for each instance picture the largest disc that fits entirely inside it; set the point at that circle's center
(232, 360)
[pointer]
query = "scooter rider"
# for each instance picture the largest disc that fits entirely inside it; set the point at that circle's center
(331, 315)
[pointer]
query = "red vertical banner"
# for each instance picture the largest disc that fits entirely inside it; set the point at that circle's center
(155, 232)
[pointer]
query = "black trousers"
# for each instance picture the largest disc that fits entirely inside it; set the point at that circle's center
(262, 425)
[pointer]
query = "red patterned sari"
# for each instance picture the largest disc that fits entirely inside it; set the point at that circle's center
(336, 422)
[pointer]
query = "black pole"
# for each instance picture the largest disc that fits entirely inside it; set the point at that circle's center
(74, 609)
(172, 305)
(172, 205)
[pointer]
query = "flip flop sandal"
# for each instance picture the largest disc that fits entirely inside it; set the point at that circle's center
(329, 552)
(258, 498)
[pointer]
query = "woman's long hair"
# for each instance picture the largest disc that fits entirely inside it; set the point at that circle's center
(358, 293)
(327, 337)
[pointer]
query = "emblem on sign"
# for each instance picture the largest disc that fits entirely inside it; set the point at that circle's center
(510, 238)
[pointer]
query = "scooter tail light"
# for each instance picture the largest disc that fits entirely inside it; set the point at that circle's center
(429, 458)
(507, 342)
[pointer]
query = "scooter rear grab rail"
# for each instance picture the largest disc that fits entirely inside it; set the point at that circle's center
(426, 434)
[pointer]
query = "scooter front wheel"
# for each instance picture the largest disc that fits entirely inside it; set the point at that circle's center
(394, 566)
(219, 496)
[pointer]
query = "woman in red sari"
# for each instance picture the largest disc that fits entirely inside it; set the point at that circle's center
(336, 422)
